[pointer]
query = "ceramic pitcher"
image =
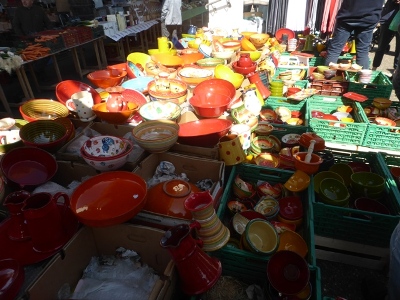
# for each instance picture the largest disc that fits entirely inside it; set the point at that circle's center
(197, 270)
(18, 229)
(45, 220)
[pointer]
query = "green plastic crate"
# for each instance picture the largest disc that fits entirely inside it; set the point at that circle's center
(282, 129)
(391, 160)
(243, 264)
(294, 69)
(316, 61)
(342, 222)
(380, 86)
(382, 137)
(336, 131)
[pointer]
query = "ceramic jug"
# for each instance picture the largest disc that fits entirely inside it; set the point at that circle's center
(18, 229)
(45, 220)
(245, 60)
(115, 101)
(192, 29)
(256, 79)
(198, 271)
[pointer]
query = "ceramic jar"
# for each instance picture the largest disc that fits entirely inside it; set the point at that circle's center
(115, 100)
(245, 60)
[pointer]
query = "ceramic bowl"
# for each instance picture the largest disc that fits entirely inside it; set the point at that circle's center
(106, 78)
(210, 62)
(266, 189)
(267, 160)
(45, 134)
(215, 86)
(138, 58)
(308, 168)
(267, 206)
(117, 117)
(243, 192)
(321, 69)
(105, 146)
(191, 58)
(381, 103)
(228, 54)
(260, 237)
(288, 272)
(286, 158)
(357, 166)
(345, 109)
(296, 222)
(138, 84)
(333, 192)
(12, 276)
(204, 132)
(157, 51)
(240, 220)
(290, 139)
(298, 182)
(254, 55)
(158, 110)
(206, 50)
(231, 45)
(292, 241)
(42, 109)
(115, 210)
(246, 45)
(395, 171)
(6, 123)
(322, 175)
(267, 114)
(259, 39)
(121, 67)
(236, 206)
(210, 106)
(385, 122)
(344, 170)
(371, 205)
(66, 88)
(226, 73)
(244, 70)
(10, 139)
(192, 76)
(168, 89)
(366, 183)
(261, 144)
(108, 163)
(28, 167)
(156, 136)
(264, 128)
(247, 34)
(172, 61)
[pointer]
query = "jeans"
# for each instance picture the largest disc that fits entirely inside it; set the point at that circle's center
(396, 81)
(394, 267)
(363, 37)
(386, 36)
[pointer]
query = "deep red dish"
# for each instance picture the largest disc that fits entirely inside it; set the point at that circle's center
(66, 88)
(280, 32)
(355, 97)
(12, 276)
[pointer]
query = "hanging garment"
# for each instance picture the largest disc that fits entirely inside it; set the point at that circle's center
(324, 23)
(295, 20)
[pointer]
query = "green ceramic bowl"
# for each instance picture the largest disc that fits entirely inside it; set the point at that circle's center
(334, 192)
(13, 139)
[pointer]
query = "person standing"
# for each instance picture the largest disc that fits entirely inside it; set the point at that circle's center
(386, 35)
(30, 19)
(360, 17)
(171, 14)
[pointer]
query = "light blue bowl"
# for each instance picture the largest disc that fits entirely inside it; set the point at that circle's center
(138, 84)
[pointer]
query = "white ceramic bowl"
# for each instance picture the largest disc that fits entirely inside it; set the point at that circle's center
(105, 146)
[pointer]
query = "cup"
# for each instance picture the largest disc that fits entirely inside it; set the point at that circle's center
(230, 150)
(45, 220)
(243, 131)
(18, 229)
(164, 45)
(81, 103)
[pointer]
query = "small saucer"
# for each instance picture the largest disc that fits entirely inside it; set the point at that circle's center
(88, 119)
(23, 251)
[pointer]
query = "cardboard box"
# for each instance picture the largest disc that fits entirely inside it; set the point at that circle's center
(67, 266)
(196, 169)
(66, 152)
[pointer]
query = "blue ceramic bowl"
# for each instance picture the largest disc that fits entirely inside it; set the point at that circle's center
(138, 84)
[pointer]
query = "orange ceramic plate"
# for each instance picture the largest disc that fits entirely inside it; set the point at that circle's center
(109, 198)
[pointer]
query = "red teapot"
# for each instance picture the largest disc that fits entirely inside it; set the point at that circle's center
(115, 100)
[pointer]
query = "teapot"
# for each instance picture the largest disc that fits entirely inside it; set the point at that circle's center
(115, 100)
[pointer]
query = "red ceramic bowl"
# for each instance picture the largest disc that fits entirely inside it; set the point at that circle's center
(121, 67)
(244, 70)
(308, 168)
(288, 272)
(371, 205)
(28, 167)
(215, 86)
(94, 202)
(66, 88)
(210, 106)
(291, 208)
(203, 133)
(395, 171)
(12, 276)
(191, 58)
(359, 166)
(106, 78)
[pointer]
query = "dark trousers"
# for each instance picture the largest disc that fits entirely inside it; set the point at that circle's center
(171, 29)
(386, 36)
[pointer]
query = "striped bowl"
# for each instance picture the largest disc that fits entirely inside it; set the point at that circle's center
(156, 136)
(43, 109)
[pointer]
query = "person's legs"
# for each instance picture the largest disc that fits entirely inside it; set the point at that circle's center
(386, 35)
(396, 81)
(335, 46)
(396, 51)
(394, 265)
(363, 41)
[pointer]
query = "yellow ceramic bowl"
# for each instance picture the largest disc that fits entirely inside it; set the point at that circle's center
(254, 55)
(232, 45)
(259, 39)
(167, 60)
(246, 45)
(156, 51)
(224, 72)
(247, 34)
(193, 44)
(139, 58)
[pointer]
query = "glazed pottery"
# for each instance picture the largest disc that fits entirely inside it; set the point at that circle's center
(18, 230)
(230, 150)
(197, 270)
(115, 100)
(45, 221)
(212, 232)
(245, 60)
(255, 78)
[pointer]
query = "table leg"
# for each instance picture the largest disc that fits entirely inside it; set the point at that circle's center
(96, 50)
(28, 85)
(5, 102)
(34, 78)
(56, 68)
(76, 62)
(102, 53)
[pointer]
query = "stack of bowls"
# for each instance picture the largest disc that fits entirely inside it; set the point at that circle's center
(261, 237)
(291, 210)
(106, 152)
(276, 88)
(268, 207)
(367, 184)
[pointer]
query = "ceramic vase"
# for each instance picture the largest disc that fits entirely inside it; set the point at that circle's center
(198, 271)
(256, 79)
(212, 231)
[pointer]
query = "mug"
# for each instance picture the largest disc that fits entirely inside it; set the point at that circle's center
(230, 150)
(164, 45)
(81, 103)
(243, 131)
(45, 220)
